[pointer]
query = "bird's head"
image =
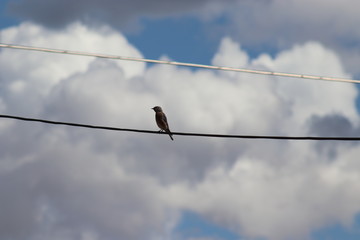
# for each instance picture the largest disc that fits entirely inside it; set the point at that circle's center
(157, 109)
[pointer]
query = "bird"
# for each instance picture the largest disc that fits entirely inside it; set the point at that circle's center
(161, 121)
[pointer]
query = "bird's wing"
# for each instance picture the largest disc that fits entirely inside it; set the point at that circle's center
(165, 120)
(164, 117)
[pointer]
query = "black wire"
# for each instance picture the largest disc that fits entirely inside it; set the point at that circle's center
(183, 133)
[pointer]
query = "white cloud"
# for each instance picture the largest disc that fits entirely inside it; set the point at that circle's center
(312, 58)
(258, 24)
(278, 24)
(72, 183)
(43, 71)
(286, 202)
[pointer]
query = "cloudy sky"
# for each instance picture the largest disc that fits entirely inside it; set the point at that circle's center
(67, 183)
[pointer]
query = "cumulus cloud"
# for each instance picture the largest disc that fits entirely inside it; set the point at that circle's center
(278, 25)
(71, 183)
(287, 202)
(259, 24)
(301, 22)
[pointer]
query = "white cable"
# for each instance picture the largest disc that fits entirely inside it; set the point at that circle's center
(244, 70)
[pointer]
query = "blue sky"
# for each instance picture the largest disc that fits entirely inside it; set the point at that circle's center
(196, 189)
(159, 37)
(337, 231)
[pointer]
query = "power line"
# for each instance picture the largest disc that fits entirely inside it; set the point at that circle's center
(183, 133)
(183, 64)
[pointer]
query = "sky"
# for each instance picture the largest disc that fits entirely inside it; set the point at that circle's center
(68, 183)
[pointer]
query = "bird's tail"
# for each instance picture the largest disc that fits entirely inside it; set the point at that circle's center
(170, 134)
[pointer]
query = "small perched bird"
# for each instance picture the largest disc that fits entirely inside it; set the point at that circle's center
(161, 120)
